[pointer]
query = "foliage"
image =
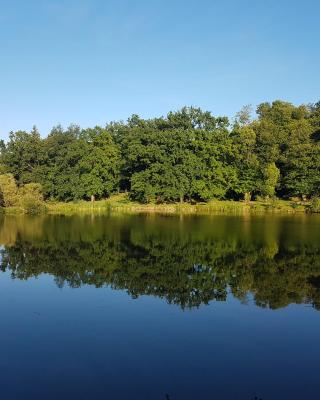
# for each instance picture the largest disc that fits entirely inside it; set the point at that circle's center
(31, 198)
(8, 190)
(100, 164)
(23, 154)
(246, 161)
(188, 155)
(315, 205)
(271, 176)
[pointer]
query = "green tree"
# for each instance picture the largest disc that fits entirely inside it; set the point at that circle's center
(246, 161)
(23, 155)
(301, 175)
(282, 131)
(185, 156)
(162, 162)
(99, 167)
(8, 191)
(216, 174)
(59, 174)
(271, 176)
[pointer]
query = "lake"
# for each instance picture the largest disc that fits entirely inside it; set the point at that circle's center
(160, 307)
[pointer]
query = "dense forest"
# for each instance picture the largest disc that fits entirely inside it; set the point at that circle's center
(189, 155)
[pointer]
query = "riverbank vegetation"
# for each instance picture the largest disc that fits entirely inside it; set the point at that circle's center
(189, 156)
(122, 203)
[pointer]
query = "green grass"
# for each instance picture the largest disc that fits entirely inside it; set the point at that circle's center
(122, 203)
(12, 210)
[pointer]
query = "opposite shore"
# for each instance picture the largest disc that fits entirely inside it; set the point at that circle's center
(121, 203)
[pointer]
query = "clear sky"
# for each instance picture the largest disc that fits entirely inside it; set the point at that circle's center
(92, 61)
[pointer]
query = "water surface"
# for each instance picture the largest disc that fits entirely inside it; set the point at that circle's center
(160, 307)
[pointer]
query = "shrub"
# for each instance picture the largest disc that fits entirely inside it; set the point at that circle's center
(315, 205)
(31, 207)
(31, 198)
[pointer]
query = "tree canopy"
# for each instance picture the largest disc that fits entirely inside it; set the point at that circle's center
(187, 155)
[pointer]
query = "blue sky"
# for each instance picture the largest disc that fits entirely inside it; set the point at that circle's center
(92, 61)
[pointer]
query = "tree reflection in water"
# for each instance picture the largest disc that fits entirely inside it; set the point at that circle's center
(188, 261)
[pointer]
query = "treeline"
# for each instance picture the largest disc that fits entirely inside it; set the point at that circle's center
(189, 155)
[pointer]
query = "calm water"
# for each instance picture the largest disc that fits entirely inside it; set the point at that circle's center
(151, 307)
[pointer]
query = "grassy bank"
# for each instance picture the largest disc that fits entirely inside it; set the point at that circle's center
(121, 203)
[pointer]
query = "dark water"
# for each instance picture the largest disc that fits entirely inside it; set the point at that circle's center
(151, 307)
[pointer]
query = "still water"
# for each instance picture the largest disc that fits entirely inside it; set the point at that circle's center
(160, 307)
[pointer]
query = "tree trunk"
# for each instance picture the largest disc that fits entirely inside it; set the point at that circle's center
(181, 198)
(92, 197)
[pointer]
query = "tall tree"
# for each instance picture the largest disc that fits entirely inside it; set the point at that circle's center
(99, 167)
(246, 161)
(23, 155)
(59, 175)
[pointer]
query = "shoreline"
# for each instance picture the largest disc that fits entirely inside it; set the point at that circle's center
(122, 205)
(220, 207)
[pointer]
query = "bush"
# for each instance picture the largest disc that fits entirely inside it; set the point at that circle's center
(31, 207)
(259, 198)
(315, 205)
(31, 198)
